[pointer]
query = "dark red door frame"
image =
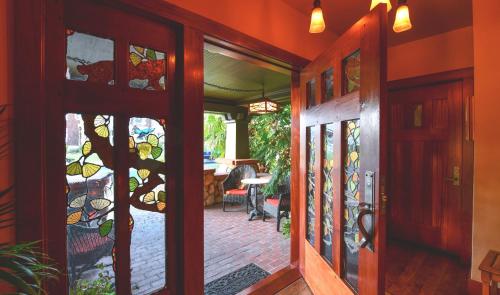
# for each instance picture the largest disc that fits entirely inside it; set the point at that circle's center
(37, 92)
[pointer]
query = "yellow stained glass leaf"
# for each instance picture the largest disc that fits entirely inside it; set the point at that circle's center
(74, 217)
(99, 120)
(346, 214)
(355, 177)
(161, 206)
(102, 131)
(135, 58)
(353, 156)
(143, 173)
(139, 49)
(90, 169)
(100, 203)
(74, 168)
(149, 198)
(87, 147)
(144, 150)
(78, 202)
(131, 142)
(153, 140)
(356, 196)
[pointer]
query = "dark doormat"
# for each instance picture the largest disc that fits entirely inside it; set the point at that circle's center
(236, 281)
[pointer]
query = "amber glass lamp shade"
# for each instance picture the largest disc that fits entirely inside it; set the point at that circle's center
(262, 107)
(402, 22)
(317, 21)
(377, 2)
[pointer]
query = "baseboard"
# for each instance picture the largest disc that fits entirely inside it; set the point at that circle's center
(475, 287)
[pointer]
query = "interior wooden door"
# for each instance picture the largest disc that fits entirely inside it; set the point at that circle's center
(343, 162)
(428, 205)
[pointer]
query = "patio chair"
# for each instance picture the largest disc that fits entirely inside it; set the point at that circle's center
(85, 248)
(234, 190)
(279, 205)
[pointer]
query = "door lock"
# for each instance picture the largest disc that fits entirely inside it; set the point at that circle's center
(455, 177)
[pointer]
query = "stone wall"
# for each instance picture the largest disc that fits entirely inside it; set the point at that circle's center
(212, 191)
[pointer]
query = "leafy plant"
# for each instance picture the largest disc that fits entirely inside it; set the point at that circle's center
(22, 266)
(270, 137)
(285, 230)
(103, 285)
(215, 135)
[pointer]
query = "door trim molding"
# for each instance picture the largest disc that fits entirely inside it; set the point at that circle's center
(435, 78)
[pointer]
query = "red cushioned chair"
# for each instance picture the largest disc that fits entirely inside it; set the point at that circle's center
(234, 191)
(279, 205)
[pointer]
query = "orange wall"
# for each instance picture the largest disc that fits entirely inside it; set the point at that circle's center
(486, 220)
(6, 90)
(272, 21)
(444, 52)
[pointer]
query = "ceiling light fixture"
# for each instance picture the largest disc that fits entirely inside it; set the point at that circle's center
(402, 22)
(377, 2)
(317, 21)
(263, 106)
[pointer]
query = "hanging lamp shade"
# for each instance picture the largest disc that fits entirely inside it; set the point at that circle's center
(377, 2)
(402, 22)
(263, 106)
(317, 20)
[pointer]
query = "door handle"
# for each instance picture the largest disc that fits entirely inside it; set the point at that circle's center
(455, 178)
(366, 236)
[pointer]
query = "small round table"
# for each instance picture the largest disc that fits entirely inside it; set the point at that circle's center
(258, 207)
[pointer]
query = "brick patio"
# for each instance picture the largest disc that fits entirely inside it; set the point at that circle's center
(231, 242)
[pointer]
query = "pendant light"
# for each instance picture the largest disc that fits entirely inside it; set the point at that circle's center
(263, 106)
(317, 21)
(377, 2)
(402, 22)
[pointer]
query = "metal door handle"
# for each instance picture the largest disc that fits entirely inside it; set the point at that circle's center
(455, 178)
(366, 239)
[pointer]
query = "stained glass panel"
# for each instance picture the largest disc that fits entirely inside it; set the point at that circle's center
(146, 68)
(327, 194)
(327, 80)
(352, 72)
(311, 207)
(90, 200)
(351, 202)
(311, 93)
(147, 204)
(89, 58)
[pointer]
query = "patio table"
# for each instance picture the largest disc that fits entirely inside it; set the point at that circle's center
(258, 204)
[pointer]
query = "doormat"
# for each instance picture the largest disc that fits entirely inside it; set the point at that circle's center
(236, 281)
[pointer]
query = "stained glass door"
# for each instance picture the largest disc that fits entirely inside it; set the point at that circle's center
(118, 98)
(342, 169)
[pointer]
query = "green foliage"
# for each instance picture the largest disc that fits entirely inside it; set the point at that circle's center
(22, 266)
(285, 230)
(270, 137)
(215, 135)
(103, 285)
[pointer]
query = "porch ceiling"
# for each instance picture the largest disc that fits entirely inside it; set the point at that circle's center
(429, 17)
(222, 71)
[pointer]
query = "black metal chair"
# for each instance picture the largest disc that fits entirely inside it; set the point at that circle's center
(279, 205)
(233, 190)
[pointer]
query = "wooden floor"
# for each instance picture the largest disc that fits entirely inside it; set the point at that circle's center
(299, 287)
(411, 270)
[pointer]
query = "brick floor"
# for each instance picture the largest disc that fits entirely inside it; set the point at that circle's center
(231, 242)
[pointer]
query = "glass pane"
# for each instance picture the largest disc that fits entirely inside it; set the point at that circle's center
(146, 68)
(327, 202)
(89, 58)
(351, 202)
(311, 93)
(352, 72)
(90, 196)
(311, 207)
(417, 115)
(327, 78)
(147, 205)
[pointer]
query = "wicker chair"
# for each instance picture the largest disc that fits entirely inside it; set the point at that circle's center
(234, 191)
(279, 205)
(85, 248)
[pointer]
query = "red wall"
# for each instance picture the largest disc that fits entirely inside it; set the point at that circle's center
(272, 21)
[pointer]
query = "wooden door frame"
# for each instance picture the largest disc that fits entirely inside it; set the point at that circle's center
(466, 76)
(34, 22)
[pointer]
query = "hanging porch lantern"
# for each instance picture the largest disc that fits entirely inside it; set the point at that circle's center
(263, 106)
